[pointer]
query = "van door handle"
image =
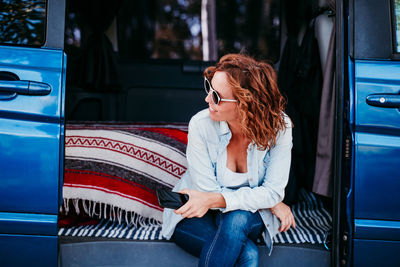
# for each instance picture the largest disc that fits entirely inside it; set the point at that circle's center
(24, 87)
(384, 100)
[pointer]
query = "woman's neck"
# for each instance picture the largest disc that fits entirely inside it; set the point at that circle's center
(235, 128)
(237, 133)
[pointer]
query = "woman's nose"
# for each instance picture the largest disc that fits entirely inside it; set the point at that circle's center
(208, 98)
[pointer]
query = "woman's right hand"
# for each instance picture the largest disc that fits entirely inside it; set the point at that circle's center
(285, 215)
(199, 203)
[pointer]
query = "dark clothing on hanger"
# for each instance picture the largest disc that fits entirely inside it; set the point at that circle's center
(324, 162)
(300, 79)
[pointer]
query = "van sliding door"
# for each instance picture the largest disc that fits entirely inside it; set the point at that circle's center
(376, 128)
(32, 80)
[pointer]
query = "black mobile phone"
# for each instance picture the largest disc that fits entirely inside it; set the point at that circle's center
(171, 200)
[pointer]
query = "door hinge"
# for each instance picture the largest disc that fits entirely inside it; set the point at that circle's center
(345, 243)
(347, 148)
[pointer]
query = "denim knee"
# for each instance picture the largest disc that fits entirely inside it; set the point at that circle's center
(249, 255)
(237, 220)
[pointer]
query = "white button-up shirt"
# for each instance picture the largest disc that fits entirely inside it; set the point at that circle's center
(268, 172)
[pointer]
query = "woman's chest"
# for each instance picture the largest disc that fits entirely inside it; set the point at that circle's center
(255, 161)
(236, 157)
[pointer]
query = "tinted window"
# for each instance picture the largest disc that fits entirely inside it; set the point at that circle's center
(183, 29)
(22, 22)
(397, 24)
(165, 29)
(251, 25)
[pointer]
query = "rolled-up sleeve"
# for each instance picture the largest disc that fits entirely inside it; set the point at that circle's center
(272, 189)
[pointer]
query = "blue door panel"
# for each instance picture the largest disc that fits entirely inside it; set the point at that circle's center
(376, 78)
(30, 133)
(377, 181)
(39, 65)
(377, 229)
(376, 184)
(377, 143)
(376, 253)
(23, 250)
(30, 159)
(22, 223)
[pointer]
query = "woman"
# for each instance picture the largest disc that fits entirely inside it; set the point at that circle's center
(238, 157)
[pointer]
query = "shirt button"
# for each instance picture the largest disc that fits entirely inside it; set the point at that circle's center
(267, 225)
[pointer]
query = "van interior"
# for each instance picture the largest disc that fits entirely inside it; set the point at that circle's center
(134, 72)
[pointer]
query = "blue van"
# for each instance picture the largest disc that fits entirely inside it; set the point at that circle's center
(141, 61)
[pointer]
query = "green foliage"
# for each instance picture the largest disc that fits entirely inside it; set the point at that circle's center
(22, 21)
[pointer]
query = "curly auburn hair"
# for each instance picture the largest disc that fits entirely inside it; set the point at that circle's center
(260, 103)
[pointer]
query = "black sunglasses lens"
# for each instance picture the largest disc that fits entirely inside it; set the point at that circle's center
(207, 86)
(215, 97)
(214, 94)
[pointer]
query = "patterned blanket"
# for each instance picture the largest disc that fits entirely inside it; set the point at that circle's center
(113, 170)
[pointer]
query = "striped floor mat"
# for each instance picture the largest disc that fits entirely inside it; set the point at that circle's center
(110, 229)
(312, 223)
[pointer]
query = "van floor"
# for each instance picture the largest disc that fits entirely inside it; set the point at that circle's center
(85, 251)
(108, 244)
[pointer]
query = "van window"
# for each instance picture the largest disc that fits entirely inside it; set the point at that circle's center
(22, 22)
(160, 29)
(397, 25)
(251, 26)
(198, 30)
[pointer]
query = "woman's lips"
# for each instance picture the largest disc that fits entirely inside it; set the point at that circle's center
(211, 109)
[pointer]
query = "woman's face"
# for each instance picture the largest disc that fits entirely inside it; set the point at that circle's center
(224, 111)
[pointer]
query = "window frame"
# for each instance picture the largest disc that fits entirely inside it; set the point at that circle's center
(54, 30)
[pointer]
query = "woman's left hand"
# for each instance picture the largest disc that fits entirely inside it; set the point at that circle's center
(285, 215)
(197, 205)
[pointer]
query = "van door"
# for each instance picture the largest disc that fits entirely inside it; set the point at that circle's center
(376, 122)
(32, 82)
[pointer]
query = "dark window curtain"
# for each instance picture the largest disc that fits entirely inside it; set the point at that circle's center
(98, 70)
(137, 28)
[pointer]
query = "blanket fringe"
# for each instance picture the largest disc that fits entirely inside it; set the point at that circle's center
(100, 210)
(65, 206)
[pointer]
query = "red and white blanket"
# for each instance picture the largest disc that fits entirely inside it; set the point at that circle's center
(113, 170)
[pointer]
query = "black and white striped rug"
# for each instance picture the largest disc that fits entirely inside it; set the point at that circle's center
(313, 221)
(112, 229)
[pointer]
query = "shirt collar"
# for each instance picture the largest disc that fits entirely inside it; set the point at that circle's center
(223, 128)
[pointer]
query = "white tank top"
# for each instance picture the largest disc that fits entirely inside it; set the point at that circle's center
(233, 179)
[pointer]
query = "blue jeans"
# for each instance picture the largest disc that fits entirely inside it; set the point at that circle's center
(221, 239)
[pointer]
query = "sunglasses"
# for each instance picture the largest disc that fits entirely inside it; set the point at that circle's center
(214, 94)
